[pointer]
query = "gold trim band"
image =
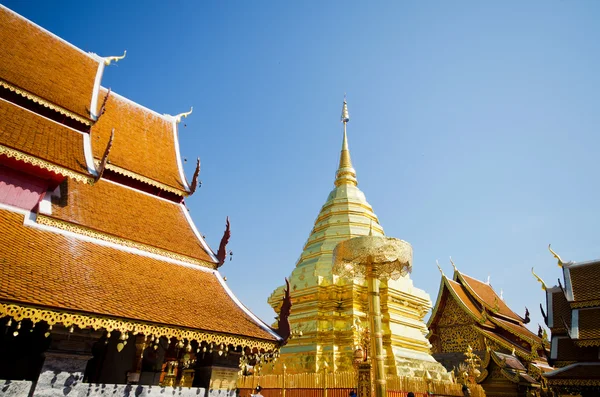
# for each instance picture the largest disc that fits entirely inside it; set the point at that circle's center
(18, 155)
(144, 179)
(70, 227)
(96, 322)
(44, 103)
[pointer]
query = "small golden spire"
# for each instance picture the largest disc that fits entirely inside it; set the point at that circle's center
(346, 175)
(108, 60)
(371, 228)
(539, 279)
(560, 261)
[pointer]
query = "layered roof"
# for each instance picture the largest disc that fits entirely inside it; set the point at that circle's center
(130, 215)
(145, 143)
(45, 68)
(492, 317)
(50, 269)
(42, 142)
(585, 278)
(578, 374)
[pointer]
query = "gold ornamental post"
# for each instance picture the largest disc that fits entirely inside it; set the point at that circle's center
(373, 258)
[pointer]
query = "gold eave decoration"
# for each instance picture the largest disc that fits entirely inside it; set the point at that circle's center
(37, 162)
(144, 179)
(587, 342)
(70, 227)
(44, 103)
(577, 305)
(526, 338)
(507, 346)
(68, 319)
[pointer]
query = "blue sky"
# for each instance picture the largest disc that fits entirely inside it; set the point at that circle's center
(474, 125)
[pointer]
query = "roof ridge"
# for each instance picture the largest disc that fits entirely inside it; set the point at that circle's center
(91, 55)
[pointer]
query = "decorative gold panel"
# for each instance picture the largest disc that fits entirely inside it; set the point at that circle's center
(67, 319)
(457, 339)
(454, 315)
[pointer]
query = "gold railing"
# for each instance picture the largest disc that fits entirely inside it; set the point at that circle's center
(397, 386)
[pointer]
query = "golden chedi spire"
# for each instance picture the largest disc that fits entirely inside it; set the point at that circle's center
(346, 175)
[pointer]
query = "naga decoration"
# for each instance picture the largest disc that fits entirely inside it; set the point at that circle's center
(527, 319)
(108, 60)
(222, 253)
(558, 258)
(544, 314)
(104, 160)
(103, 107)
(194, 184)
(283, 324)
(540, 332)
(544, 287)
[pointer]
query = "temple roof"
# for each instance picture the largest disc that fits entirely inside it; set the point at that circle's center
(589, 372)
(129, 214)
(53, 269)
(585, 278)
(485, 294)
(35, 138)
(145, 145)
(458, 291)
(589, 324)
(49, 70)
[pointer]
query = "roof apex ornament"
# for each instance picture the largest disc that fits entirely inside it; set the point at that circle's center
(222, 253)
(501, 294)
(453, 265)
(179, 116)
(194, 184)
(488, 280)
(439, 268)
(527, 319)
(560, 261)
(104, 161)
(544, 287)
(108, 60)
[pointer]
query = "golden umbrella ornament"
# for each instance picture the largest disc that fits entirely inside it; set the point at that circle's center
(373, 258)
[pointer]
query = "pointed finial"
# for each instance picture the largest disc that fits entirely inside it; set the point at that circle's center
(108, 60)
(501, 294)
(488, 280)
(453, 265)
(371, 228)
(345, 175)
(539, 279)
(439, 268)
(345, 115)
(560, 261)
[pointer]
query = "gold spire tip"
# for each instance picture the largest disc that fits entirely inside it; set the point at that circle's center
(345, 115)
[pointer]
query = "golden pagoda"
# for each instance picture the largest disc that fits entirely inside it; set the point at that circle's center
(329, 313)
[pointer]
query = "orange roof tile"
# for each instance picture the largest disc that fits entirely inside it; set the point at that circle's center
(51, 270)
(40, 137)
(585, 280)
(460, 292)
(560, 309)
(114, 209)
(144, 141)
(486, 295)
(589, 323)
(39, 62)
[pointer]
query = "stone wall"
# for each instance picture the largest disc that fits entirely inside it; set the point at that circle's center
(66, 384)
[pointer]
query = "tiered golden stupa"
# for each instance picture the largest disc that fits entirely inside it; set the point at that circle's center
(329, 312)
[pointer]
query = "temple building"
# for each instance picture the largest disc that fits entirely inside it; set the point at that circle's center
(103, 273)
(573, 316)
(329, 313)
(469, 316)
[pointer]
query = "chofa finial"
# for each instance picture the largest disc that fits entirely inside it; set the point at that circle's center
(539, 279)
(560, 261)
(179, 116)
(453, 265)
(108, 60)
(439, 268)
